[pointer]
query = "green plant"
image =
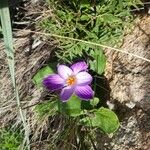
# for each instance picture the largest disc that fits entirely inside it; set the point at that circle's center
(82, 110)
(101, 22)
(96, 21)
(10, 139)
(74, 114)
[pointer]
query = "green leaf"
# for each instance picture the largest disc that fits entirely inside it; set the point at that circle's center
(85, 3)
(86, 105)
(8, 39)
(42, 73)
(103, 118)
(89, 105)
(99, 63)
(106, 120)
(94, 101)
(84, 18)
(110, 19)
(71, 108)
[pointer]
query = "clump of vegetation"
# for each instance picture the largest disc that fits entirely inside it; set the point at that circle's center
(75, 113)
(72, 24)
(10, 139)
(98, 21)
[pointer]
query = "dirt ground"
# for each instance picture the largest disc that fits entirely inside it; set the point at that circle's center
(128, 78)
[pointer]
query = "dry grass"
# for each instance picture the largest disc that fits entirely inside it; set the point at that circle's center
(26, 67)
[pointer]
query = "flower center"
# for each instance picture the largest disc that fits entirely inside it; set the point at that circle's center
(71, 80)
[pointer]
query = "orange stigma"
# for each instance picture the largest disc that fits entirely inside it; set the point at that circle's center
(71, 80)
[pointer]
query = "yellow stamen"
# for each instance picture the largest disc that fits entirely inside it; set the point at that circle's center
(71, 80)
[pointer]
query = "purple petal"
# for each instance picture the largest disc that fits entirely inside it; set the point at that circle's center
(66, 93)
(84, 92)
(83, 78)
(53, 82)
(64, 71)
(79, 66)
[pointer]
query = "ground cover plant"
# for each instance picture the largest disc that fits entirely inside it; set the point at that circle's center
(10, 139)
(83, 114)
(102, 22)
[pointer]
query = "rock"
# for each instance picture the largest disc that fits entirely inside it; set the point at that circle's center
(130, 84)
(130, 75)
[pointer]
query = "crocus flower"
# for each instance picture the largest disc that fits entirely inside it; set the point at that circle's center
(74, 80)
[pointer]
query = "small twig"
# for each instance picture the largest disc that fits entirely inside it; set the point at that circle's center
(21, 23)
(8, 40)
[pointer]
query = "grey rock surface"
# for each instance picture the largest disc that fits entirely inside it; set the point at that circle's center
(130, 84)
(130, 76)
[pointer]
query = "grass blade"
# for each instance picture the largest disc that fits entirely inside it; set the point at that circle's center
(8, 40)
